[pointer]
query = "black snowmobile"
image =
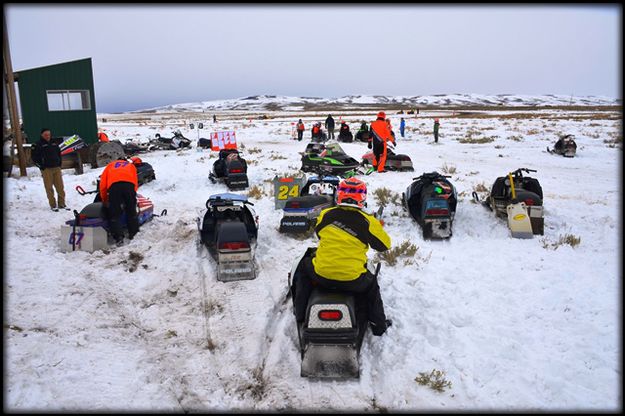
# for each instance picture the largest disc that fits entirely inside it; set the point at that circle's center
(329, 157)
(178, 141)
(145, 173)
(363, 134)
(394, 162)
(431, 200)
(332, 332)
(229, 230)
(301, 212)
(132, 148)
(231, 168)
(345, 135)
(565, 146)
(519, 199)
(321, 136)
(204, 143)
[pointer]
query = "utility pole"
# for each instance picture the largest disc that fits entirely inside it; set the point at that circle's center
(10, 89)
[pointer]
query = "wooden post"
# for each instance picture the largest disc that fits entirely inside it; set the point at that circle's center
(10, 88)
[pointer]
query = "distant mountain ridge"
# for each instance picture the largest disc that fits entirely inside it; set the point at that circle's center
(286, 103)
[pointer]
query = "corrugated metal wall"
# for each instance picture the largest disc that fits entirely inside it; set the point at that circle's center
(33, 84)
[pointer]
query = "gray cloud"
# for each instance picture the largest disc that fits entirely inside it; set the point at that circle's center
(146, 56)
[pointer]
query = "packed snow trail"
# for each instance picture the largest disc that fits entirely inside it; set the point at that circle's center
(515, 324)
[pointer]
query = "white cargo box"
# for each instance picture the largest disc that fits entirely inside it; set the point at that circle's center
(87, 238)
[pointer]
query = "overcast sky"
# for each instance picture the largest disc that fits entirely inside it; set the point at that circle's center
(146, 56)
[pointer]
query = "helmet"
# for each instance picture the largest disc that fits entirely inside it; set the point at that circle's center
(135, 160)
(352, 192)
(381, 114)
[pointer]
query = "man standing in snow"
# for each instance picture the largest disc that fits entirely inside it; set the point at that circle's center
(330, 126)
(300, 130)
(46, 156)
(380, 134)
(402, 127)
(436, 124)
(214, 118)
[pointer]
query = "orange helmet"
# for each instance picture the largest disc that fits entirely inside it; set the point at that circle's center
(352, 192)
(382, 114)
(135, 160)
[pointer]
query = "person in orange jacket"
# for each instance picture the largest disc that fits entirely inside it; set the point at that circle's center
(300, 130)
(380, 135)
(118, 191)
(102, 137)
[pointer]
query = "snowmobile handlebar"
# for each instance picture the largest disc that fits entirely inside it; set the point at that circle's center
(81, 191)
(519, 171)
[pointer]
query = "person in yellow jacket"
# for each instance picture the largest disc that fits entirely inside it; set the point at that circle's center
(345, 234)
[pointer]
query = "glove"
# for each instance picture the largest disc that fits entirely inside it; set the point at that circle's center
(369, 145)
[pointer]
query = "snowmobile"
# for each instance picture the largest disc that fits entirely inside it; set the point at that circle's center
(345, 135)
(330, 157)
(320, 137)
(231, 168)
(145, 172)
(565, 146)
(132, 148)
(178, 141)
(395, 162)
(229, 230)
(204, 143)
(363, 133)
(331, 334)
(431, 200)
(89, 229)
(301, 212)
(519, 199)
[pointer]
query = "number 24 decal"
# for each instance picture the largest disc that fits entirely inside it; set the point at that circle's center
(286, 191)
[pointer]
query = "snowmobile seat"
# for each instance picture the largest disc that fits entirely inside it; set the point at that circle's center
(94, 210)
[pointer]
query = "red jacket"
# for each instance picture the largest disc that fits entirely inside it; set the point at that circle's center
(300, 127)
(117, 171)
(381, 131)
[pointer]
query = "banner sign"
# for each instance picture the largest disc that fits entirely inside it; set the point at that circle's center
(223, 140)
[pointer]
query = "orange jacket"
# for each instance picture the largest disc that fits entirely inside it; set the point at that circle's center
(381, 131)
(300, 127)
(103, 137)
(117, 171)
(315, 129)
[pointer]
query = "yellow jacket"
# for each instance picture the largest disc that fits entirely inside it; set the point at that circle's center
(345, 235)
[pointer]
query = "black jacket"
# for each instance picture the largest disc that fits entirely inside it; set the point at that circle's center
(329, 123)
(46, 154)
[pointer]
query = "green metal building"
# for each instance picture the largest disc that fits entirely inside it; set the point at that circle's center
(60, 97)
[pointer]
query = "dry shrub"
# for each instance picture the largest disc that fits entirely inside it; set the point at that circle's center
(385, 196)
(448, 169)
(435, 380)
(405, 249)
(256, 192)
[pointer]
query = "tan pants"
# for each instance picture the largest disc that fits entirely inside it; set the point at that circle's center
(53, 177)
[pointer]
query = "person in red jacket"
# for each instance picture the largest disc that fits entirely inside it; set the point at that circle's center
(102, 137)
(300, 130)
(118, 190)
(380, 135)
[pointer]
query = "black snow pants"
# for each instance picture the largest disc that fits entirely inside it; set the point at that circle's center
(123, 198)
(306, 279)
(300, 135)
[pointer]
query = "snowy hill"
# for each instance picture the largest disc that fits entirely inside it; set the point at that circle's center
(273, 102)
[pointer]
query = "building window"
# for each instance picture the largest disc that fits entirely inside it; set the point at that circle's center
(69, 100)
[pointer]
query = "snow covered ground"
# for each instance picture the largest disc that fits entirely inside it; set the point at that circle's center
(514, 324)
